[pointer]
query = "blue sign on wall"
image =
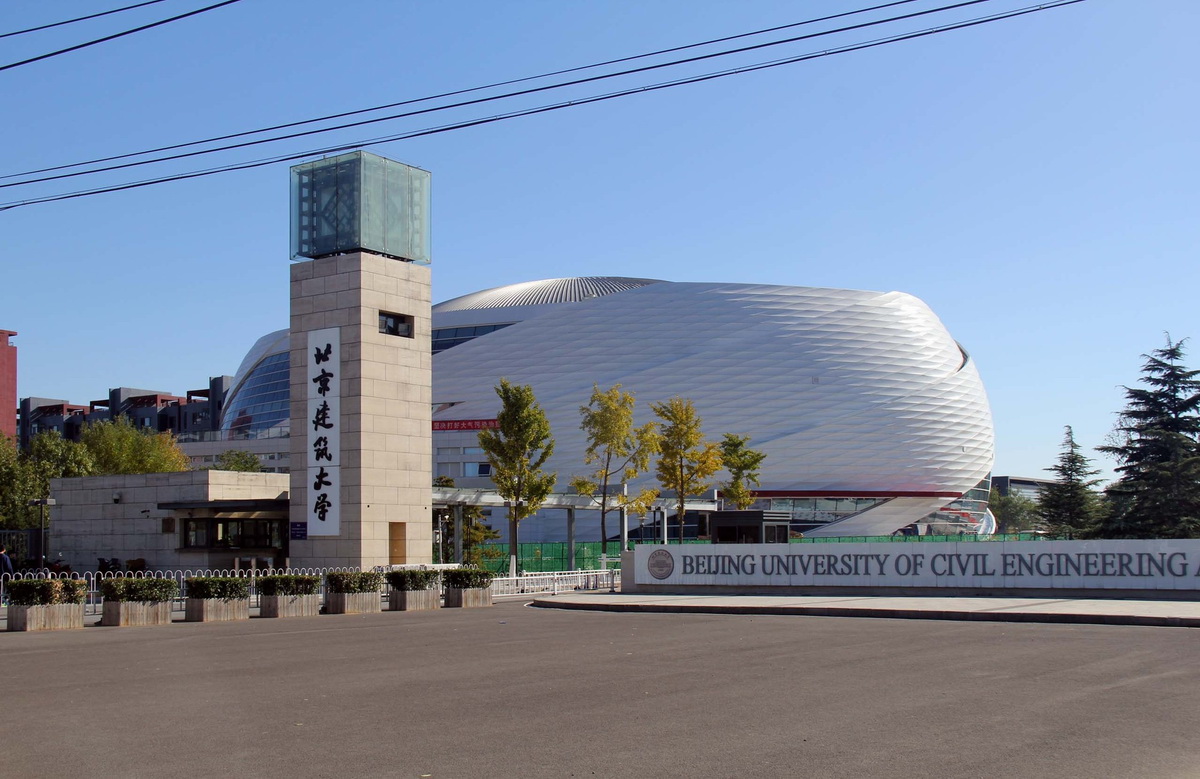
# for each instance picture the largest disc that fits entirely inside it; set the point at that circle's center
(299, 531)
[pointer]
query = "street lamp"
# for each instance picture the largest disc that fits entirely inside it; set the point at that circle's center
(43, 502)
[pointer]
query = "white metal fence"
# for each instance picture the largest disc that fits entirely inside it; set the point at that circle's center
(524, 584)
(555, 582)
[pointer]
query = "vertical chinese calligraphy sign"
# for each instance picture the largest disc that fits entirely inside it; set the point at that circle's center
(323, 431)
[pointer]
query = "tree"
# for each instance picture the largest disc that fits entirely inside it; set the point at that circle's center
(743, 464)
(618, 450)
(25, 476)
(54, 457)
(1070, 506)
(474, 531)
(685, 461)
(237, 460)
(18, 485)
(1013, 512)
(517, 450)
(1156, 445)
(120, 448)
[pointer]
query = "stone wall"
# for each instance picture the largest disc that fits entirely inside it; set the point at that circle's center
(119, 516)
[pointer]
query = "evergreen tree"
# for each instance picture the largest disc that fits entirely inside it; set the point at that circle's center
(617, 449)
(1070, 506)
(686, 460)
(1014, 513)
(517, 450)
(237, 460)
(1156, 446)
(743, 464)
(475, 531)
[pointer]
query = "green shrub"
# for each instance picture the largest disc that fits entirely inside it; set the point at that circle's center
(288, 584)
(354, 581)
(138, 589)
(412, 579)
(221, 587)
(468, 578)
(45, 592)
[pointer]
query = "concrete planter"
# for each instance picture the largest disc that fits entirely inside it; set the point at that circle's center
(414, 600)
(216, 609)
(135, 613)
(472, 598)
(56, 616)
(289, 605)
(352, 603)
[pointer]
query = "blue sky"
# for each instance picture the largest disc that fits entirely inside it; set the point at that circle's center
(1032, 180)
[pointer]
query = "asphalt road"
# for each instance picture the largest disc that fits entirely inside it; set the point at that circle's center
(518, 692)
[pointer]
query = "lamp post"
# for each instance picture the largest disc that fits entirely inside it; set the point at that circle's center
(43, 502)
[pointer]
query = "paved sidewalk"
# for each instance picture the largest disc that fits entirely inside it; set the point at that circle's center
(1070, 610)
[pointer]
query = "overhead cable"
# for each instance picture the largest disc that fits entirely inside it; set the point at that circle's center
(412, 101)
(78, 19)
(493, 98)
(107, 38)
(552, 107)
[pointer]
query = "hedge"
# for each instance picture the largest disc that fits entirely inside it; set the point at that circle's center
(219, 587)
(288, 584)
(412, 579)
(467, 578)
(354, 581)
(45, 592)
(139, 589)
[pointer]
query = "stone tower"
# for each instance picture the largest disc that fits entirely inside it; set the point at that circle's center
(361, 458)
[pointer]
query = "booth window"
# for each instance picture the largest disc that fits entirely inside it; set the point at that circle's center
(233, 533)
(396, 324)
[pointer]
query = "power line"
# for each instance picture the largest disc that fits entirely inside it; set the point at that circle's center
(116, 35)
(493, 98)
(551, 107)
(78, 19)
(455, 93)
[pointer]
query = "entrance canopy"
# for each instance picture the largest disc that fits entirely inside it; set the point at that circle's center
(468, 497)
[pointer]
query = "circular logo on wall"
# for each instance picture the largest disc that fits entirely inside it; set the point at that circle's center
(660, 564)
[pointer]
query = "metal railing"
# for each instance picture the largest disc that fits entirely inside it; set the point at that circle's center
(524, 584)
(555, 582)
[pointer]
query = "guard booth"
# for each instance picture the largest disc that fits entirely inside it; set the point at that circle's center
(749, 527)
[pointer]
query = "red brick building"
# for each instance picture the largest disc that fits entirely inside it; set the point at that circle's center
(8, 385)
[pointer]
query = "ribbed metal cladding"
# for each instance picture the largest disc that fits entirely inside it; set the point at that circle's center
(848, 392)
(544, 292)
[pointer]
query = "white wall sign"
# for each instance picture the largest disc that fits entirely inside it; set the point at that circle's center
(1121, 565)
(323, 372)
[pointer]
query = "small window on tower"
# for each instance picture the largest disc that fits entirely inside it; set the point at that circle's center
(396, 324)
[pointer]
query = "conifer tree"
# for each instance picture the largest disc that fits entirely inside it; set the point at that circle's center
(1070, 506)
(1156, 446)
(475, 532)
(1013, 512)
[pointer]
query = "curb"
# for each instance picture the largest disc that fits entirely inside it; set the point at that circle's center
(1141, 620)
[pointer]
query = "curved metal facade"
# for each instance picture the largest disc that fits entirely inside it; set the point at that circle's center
(849, 393)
